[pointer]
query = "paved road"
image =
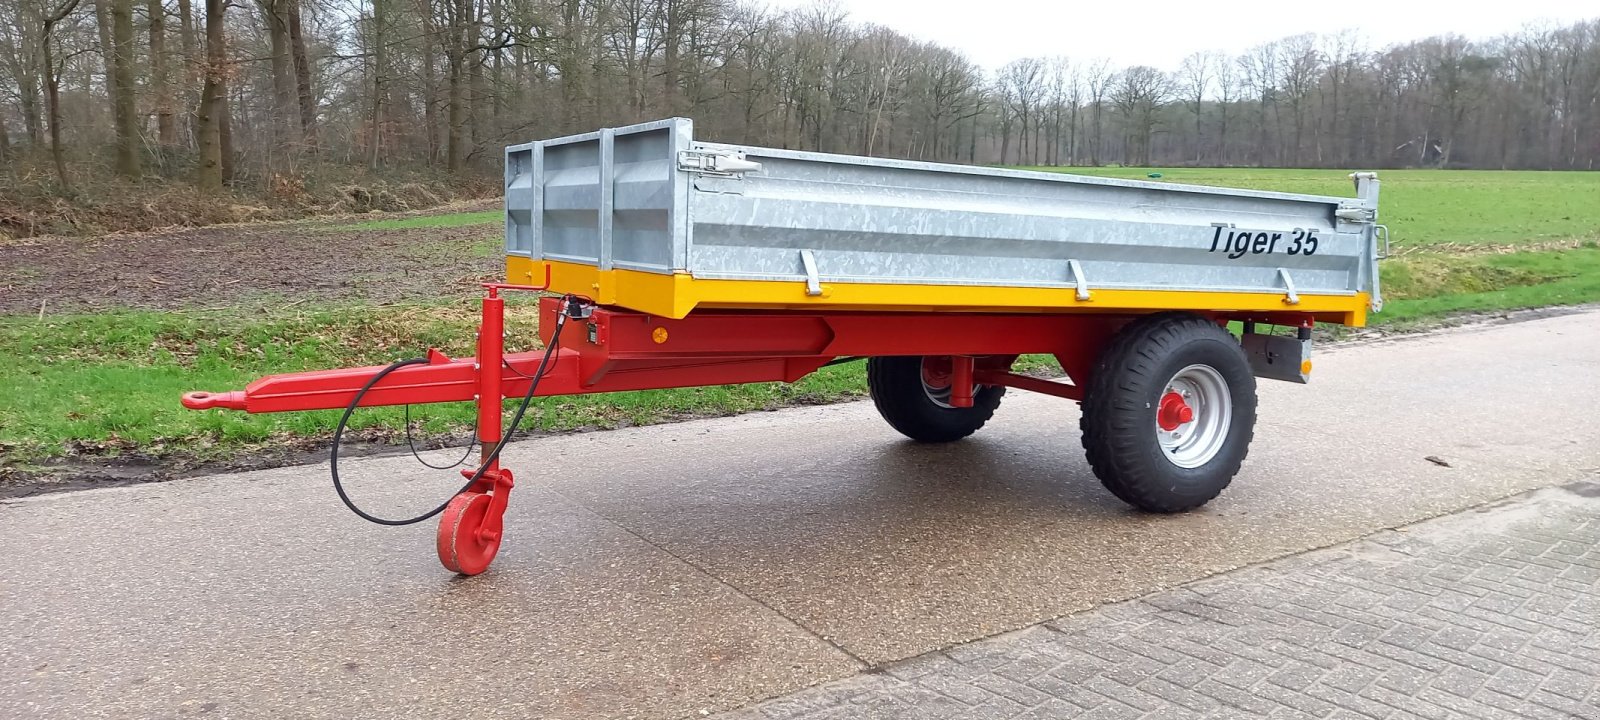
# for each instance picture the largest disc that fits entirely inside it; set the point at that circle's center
(662, 572)
(1491, 613)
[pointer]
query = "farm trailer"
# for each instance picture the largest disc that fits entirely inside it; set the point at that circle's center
(672, 262)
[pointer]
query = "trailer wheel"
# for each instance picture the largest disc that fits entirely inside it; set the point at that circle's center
(1169, 412)
(462, 547)
(913, 394)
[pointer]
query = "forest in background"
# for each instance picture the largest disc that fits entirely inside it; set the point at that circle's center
(274, 98)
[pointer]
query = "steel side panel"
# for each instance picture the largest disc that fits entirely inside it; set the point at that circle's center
(867, 223)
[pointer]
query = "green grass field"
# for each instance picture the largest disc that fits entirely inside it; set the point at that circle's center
(105, 384)
(1426, 208)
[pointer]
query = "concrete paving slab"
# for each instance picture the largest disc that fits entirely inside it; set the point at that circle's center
(260, 597)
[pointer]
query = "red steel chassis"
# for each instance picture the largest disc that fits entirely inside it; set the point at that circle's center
(606, 349)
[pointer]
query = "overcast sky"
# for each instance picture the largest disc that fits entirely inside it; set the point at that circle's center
(1161, 32)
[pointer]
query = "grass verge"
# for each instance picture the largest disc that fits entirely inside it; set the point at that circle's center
(1424, 287)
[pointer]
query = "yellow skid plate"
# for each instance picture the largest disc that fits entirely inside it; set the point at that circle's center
(675, 295)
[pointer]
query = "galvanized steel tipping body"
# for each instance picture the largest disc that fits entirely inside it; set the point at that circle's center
(649, 198)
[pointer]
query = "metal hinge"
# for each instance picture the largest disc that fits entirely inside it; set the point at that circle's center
(719, 163)
(1356, 214)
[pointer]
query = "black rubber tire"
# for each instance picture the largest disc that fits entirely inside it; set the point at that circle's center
(896, 387)
(1119, 411)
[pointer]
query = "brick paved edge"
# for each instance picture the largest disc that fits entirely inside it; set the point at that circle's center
(1492, 612)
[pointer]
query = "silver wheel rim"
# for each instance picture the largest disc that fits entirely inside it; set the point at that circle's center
(1194, 443)
(940, 394)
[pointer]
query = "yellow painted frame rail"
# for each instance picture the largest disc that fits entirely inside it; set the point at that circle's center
(675, 295)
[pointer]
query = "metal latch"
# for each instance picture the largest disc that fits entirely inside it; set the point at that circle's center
(808, 261)
(1290, 296)
(719, 163)
(1078, 280)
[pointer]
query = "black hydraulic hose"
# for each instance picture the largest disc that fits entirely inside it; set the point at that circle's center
(505, 437)
(412, 444)
(338, 435)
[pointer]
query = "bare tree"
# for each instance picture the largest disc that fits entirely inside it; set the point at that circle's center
(1194, 79)
(1097, 78)
(212, 115)
(1227, 93)
(1138, 93)
(302, 74)
(1344, 54)
(116, 38)
(459, 52)
(409, 86)
(633, 38)
(380, 81)
(889, 52)
(160, 84)
(1302, 69)
(285, 135)
(190, 61)
(1023, 88)
(1075, 89)
(1457, 79)
(52, 82)
(952, 97)
(1259, 70)
(1061, 75)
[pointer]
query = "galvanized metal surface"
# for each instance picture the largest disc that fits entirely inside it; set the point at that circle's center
(649, 197)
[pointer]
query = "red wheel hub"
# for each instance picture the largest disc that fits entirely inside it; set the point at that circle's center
(1173, 412)
(936, 371)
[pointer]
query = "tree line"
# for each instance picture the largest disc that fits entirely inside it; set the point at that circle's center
(257, 91)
